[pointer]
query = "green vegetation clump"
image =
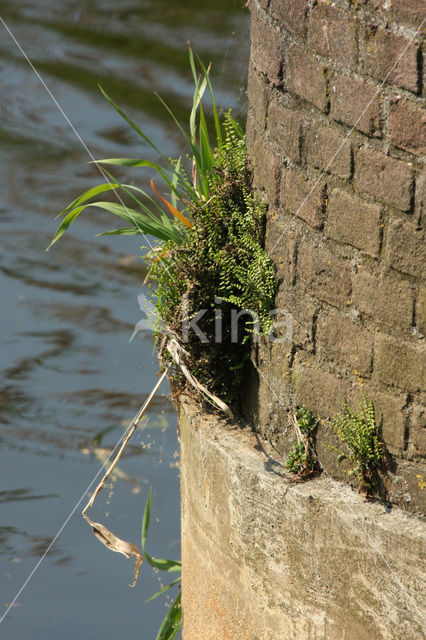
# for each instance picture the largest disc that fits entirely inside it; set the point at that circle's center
(210, 267)
(302, 459)
(220, 270)
(363, 449)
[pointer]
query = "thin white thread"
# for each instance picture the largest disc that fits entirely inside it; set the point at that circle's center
(153, 248)
(345, 140)
(79, 138)
(46, 551)
(373, 545)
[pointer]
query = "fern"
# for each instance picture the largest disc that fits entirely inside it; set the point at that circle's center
(358, 432)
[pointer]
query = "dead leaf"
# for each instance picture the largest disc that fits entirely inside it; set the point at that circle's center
(116, 544)
(176, 350)
(104, 535)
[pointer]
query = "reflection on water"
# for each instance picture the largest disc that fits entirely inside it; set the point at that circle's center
(70, 381)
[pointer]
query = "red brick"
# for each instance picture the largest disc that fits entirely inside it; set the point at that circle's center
(353, 221)
(291, 14)
(332, 33)
(323, 274)
(405, 248)
(299, 194)
(407, 125)
(407, 12)
(380, 51)
(384, 178)
(305, 77)
(322, 143)
(349, 98)
(401, 364)
(257, 94)
(266, 47)
(344, 342)
(284, 129)
(387, 298)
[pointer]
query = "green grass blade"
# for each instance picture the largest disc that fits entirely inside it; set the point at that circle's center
(172, 623)
(174, 232)
(129, 121)
(215, 113)
(145, 521)
(90, 193)
(124, 231)
(164, 589)
(69, 219)
(175, 180)
(163, 564)
(192, 146)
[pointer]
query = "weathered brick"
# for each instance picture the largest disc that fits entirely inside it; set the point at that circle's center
(387, 298)
(267, 59)
(264, 163)
(384, 178)
(407, 125)
(332, 33)
(302, 195)
(408, 12)
(284, 128)
(344, 342)
(379, 5)
(266, 167)
(258, 96)
(291, 14)
(281, 245)
(320, 391)
(302, 308)
(323, 274)
(420, 197)
(417, 430)
(380, 51)
(405, 248)
(421, 310)
(348, 99)
(400, 364)
(353, 221)
(305, 77)
(322, 143)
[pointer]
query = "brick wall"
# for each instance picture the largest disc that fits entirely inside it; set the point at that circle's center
(351, 263)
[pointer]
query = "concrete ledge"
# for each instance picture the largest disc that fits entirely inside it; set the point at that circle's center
(267, 559)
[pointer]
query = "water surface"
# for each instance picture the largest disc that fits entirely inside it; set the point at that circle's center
(70, 380)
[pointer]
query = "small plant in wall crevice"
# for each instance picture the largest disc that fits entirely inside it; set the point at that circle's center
(358, 432)
(209, 265)
(302, 459)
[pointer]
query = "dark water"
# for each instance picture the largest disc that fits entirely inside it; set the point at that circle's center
(70, 380)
